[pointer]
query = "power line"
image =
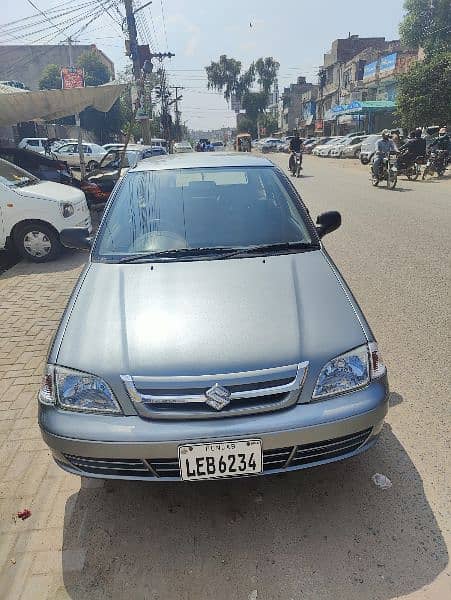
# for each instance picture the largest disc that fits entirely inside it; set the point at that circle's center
(43, 14)
(164, 24)
(107, 10)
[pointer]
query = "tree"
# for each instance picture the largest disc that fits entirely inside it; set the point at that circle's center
(427, 24)
(225, 76)
(50, 78)
(269, 123)
(424, 92)
(96, 73)
(254, 103)
(267, 69)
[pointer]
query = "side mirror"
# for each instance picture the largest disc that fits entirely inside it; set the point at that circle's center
(76, 237)
(328, 222)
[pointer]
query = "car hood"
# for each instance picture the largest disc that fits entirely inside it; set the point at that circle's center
(208, 317)
(102, 174)
(49, 190)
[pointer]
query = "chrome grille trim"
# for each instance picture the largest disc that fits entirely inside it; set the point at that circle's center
(180, 405)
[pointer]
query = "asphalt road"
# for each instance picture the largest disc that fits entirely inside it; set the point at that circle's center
(328, 532)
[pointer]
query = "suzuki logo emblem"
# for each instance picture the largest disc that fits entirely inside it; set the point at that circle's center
(217, 396)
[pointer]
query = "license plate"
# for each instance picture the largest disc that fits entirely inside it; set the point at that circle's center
(220, 459)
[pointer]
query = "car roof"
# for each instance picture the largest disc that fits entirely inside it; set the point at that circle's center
(201, 160)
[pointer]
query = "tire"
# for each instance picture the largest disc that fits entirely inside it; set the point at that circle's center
(92, 164)
(426, 173)
(374, 180)
(413, 174)
(364, 160)
(392, 178)
(37, 242)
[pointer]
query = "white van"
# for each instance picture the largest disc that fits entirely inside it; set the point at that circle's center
(34, 212)
(34, 144)
(159, 142)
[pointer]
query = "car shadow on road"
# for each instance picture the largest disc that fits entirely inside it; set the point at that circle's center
(69, 260)
(322, 533)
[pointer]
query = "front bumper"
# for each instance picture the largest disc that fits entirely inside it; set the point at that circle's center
(298, 437)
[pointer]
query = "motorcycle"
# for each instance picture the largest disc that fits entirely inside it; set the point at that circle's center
(436, 163)
(296, 164)
(387, 172)
(412, 170)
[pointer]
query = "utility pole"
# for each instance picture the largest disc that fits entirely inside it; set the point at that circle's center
(134, 54)
(77, 123)
(177, 113)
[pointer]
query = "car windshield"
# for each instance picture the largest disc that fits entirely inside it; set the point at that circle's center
(13, 176)
(200, 208)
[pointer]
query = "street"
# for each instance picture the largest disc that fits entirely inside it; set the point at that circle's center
(322, 533)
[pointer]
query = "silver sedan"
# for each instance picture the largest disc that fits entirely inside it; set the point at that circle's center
(210, 334)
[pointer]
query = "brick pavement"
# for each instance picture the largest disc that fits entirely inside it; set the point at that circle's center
(32, 298)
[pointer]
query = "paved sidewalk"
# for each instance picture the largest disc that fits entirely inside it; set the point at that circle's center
(32, 298)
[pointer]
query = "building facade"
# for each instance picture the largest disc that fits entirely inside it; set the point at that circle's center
(291, 112)
(26, 63)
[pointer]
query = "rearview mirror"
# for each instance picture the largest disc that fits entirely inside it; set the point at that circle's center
(327, 222)
(76, 237)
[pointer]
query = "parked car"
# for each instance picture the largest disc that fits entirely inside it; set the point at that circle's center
(219, 145)
(271, 145)
(113, 146)
(33, 144)
(210, 335)
(367, 148)
(41, 166)
(33, 213)
(324, 149)
(348, 148)
(310, 146)
(93, 154)
(99, 183)
(182, 147)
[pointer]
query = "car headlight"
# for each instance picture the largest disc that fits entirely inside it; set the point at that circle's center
(74, 390)
(344, 373)
(67, 209)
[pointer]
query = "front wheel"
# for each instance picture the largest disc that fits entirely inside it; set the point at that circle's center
(364, 160)
(37, 242)
(92, 164)
(374, 180)
(427, 172)
(392, 178)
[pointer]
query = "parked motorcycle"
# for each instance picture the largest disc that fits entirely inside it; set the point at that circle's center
(296, 164)
(436, 163)
(387, 172)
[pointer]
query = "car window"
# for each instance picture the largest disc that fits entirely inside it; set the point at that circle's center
(68, 148)
(13, 176)
(34, 143)
(200, 208)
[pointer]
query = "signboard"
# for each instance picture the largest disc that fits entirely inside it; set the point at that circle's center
(355, 104)
(319, 124)
(369, 70)
(72, 77)
(388, 63)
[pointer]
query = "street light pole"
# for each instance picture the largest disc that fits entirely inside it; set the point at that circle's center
(81, 154)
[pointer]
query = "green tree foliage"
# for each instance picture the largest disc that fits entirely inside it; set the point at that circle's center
(269, 123)
(254, 103)
(246, 125)
(266, 69)
(96, 73)
(223, 76)
(424, 92)
(427, 24)
(50, 78)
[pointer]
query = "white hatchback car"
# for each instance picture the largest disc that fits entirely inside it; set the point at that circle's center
(69, 153)
(34, 212)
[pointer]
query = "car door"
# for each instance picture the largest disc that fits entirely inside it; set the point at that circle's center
(69, 154)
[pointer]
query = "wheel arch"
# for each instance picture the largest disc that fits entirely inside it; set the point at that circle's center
(25, 222)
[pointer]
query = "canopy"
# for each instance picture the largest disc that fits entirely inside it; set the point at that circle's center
(17, 106)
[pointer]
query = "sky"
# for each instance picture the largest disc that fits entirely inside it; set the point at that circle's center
(295, 32)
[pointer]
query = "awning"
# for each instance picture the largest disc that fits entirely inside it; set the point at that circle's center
(17, 107)
(371, 106)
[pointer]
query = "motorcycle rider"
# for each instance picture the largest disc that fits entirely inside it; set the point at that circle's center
(411, 150)
(383, 147)
(295, 146)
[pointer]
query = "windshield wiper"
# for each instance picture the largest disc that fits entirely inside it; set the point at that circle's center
(179, 252)
(278, 247)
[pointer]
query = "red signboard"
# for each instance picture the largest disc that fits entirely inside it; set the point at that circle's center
(319, 125)
(72, 77)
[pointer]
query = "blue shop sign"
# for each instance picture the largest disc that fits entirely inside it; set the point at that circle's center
(339, 108)
(388, 63)
(369, 70)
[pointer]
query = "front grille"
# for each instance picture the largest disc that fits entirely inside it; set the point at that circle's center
(184, 397)
(274, 459)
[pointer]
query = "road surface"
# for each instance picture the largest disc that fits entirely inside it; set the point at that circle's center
(322, 534)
